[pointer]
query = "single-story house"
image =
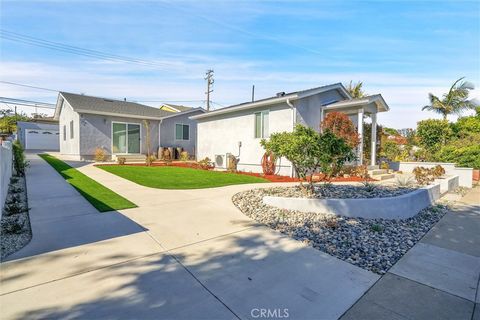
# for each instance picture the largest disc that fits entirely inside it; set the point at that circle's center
(238, 129)
(120, 127)
(174, 107)
(38, 134)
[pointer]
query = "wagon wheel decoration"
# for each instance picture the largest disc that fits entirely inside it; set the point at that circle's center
(268, 163)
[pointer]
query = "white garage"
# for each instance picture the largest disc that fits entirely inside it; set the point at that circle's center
(42, 139)
(39, 135)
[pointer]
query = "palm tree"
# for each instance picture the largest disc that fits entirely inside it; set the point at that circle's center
(454, 102)
(356, 90)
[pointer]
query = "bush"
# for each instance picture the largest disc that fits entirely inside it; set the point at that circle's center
(184, 156)
(121, 160)
(19, 161)
(391, 151)
(309, 151)
(433, 134)
(465, 156)
(100, 155)
(341, 126)
(427, 175)
(205, 163)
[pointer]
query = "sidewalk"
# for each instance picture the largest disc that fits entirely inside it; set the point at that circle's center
(438, 278)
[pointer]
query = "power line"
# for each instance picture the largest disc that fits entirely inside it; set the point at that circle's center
(15, 100)
(17, 37)
(28, 86)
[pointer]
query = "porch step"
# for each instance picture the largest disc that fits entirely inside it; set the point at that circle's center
(375, 167)
(376, 172)
(133, 157)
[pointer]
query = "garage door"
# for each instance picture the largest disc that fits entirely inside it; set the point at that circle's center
(42, 139)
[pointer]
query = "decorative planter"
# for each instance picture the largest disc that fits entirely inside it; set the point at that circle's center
(476, 174)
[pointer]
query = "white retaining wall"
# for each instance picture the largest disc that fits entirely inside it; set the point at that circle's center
(399, 207)
(465, 175)
(5, 170)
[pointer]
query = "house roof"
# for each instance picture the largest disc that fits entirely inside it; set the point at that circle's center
(276, 99)
(96, 105)
(37, 125)
(377, 99)
(175, 107)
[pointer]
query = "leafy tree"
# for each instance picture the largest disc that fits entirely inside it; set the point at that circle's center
(8, 120)
(433, 134)
(390, 131)
(340, 124)
(355, 89)
(454, 102)
(466, 126)
(309, 151)
(391, 150)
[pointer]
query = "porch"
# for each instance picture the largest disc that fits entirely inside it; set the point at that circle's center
(358, 110)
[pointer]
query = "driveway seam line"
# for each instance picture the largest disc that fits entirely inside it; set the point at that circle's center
(193, 276)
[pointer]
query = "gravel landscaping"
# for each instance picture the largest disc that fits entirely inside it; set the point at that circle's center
(324, 191)
(15, 230)
(372, 244)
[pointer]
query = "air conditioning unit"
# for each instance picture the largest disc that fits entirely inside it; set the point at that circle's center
(220, 160)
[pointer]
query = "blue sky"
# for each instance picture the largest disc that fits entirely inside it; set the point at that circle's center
(402, 50)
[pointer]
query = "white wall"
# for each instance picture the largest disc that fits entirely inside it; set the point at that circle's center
(221, 134)
(465, 175)
(5, 170)
(69, 146)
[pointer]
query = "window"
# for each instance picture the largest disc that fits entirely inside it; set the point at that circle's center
(126, 138)
(71, 129)
(64, 133)
(261, 124)
(182, 131)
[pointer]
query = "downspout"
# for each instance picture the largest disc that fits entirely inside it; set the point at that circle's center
(294, 122)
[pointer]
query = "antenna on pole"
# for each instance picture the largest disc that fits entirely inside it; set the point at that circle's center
(253, 93)
(210, 81)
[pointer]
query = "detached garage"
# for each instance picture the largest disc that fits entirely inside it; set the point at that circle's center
(39, 135)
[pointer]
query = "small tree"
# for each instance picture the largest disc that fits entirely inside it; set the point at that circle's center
(433, 133)
(309, 151)
(341, 126)
(146, 123)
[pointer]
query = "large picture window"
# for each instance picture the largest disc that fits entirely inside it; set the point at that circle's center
(261, 124)
(125, 138)
(182, 131)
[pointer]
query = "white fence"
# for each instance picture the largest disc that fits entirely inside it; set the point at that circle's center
(5, 170)
(465, 175)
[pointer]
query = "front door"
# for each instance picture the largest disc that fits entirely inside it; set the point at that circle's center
(126, 138)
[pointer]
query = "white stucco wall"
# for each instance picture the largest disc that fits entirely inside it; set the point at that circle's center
(220, 135)
(70, 147)
(308, 109)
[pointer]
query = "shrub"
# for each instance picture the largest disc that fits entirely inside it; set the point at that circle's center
(13, 180)
(391, 150)
(184, 156)
(341, 126)
(121, 160)
(433, 134)
(404, 181)
(309, 151)
(19, 161)
(16, 190)
(100, 155)
(205, 163)
(384, 165)
(467, 155)
(427, 175)
(376, 228)
(150, 159)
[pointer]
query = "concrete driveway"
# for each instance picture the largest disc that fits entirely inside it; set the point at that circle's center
(182, 254)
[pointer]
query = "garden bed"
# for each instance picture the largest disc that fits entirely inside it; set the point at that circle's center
(15, 229)
(372, 244)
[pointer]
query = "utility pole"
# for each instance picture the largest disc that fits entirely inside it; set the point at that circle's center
(210, 81)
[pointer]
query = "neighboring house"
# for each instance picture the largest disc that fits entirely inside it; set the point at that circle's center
(238, 129)
(38, 134)
(119, 127)
(174, 108)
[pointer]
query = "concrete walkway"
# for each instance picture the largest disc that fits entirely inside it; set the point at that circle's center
(183, 254)
(438, 278)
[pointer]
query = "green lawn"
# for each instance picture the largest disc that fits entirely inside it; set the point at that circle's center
(179, 178)
(99, 196)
